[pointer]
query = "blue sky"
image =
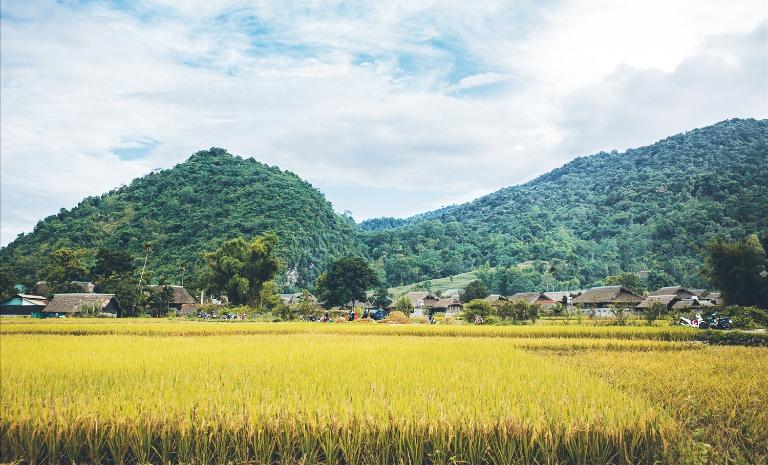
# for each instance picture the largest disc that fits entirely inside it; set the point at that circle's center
(390, 108)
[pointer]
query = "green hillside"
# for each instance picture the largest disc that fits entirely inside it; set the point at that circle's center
(653, 208)
(191, 209)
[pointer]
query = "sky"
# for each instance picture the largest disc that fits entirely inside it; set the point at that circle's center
(389, 108)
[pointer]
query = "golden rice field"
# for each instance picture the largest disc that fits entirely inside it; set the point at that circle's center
(138, 391)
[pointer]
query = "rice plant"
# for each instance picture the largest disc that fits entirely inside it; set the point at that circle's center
(312, 398)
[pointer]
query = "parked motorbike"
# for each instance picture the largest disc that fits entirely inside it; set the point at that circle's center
(717, 322)
(714, 322)
(697, 322)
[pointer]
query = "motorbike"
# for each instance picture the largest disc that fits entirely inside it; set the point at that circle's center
(717, 322)
(712, 322)
(697, 322)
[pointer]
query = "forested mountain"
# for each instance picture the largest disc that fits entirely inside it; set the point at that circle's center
(191, 209)
(651, 208)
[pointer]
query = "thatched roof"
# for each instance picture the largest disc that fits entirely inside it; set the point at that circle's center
(608, 295)
(533, 297)
(444, 304)
(82, 302)
(495, 298)
(664, 299)
(295, 298)
(679, 291)
(423, 296)
(684, 304)
(179, 295)
(558, 296)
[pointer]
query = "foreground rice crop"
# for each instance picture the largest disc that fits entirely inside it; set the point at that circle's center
(311, 398)
(719, 394)
(149, 391)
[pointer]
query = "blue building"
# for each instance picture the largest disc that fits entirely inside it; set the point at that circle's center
(23, 305)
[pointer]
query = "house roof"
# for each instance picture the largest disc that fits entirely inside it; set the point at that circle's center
(495, 298)
(669, 290)
(76, 303)
(29, 299)
(699, 292)
(683, 304)
(179, 296)
(664, 299)
(531, 297)
(608, 295)
(416, 296)
(446, 302)
(558, 296)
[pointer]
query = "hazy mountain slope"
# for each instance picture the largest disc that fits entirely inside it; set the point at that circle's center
(651, 207)
(192, 208)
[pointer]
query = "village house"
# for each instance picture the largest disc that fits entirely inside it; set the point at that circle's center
(602, 299)
(715, 297)
(81, 304)
(679, 291)
(667, 300)
(422, 301)
(179, 296)
(533, 298)
(23, 305)
(295, 298)
(448, 305)
(561, 296)
(691, 305)
(495, 299)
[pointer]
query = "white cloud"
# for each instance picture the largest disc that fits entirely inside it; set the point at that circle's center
(435, 102)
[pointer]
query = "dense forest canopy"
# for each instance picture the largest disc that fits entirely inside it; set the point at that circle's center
(652, 208)
(191, 209)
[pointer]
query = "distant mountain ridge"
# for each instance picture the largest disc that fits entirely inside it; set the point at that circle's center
(654, 207)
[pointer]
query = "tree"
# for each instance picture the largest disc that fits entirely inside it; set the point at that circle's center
(305, 305)
(346, 280)
(403, 304)
(656, 279)
(64, 266)
(631, 281)
(654, 312)
(381, 298)
(519, 310)
(738, 269)
(474, 290)
(620, 313)
(109, 261)
(269, 296)
(125, 289)
(8, 282)
(160, 299)
(475, 308)
(241, 268)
